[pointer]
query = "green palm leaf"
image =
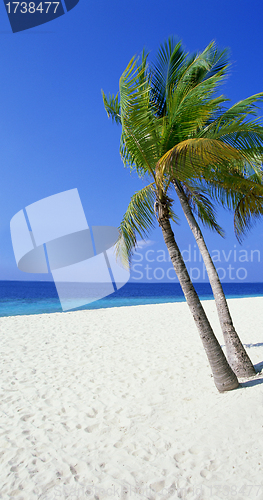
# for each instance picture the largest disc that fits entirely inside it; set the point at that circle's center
(202, 206)
(139, 130)
(192, 158)
(112, 106)
(248, 209)
(165, 73)
(139, 219)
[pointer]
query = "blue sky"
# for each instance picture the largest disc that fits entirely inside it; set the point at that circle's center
(54, 132)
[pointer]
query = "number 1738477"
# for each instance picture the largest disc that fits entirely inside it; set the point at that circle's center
(31, 7)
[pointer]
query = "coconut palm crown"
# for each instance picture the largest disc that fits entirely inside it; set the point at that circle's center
(175, 127)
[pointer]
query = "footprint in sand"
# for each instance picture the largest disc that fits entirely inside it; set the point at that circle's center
(91, 428)
(157, 486)
(26, 417)
(180, 457)
(205, 474)
(195, 450)
(92, 413)
(118, 444)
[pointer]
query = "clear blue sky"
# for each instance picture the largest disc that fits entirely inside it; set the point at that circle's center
(54, 132)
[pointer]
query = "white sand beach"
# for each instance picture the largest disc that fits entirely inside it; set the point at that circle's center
(120, 404)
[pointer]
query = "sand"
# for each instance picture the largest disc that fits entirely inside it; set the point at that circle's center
(120, 403)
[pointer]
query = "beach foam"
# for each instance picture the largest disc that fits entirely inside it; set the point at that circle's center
(120, 403)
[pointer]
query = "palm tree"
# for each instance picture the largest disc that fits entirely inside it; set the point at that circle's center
(181, 92)
(229, 127)
(141, 147)
(236, 353)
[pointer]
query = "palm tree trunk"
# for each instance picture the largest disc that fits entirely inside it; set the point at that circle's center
(236, 353)
(224, 377)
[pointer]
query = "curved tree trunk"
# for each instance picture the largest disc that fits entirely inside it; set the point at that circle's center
(224, 377)
(236, 354)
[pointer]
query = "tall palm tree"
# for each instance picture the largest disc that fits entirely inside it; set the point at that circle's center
(236, 353)
(141, 146)
(194, 124)
(230, 127)
(247, 204)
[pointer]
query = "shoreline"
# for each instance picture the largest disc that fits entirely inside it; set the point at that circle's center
(204, 299)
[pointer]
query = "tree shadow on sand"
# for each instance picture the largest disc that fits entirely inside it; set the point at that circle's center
(250, 383)
(258, 368)
(260, 344)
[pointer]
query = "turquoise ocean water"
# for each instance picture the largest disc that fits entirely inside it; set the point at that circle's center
(36, 297)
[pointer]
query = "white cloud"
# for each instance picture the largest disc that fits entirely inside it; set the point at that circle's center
(147, 243)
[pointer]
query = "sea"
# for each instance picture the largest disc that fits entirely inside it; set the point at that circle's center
(18, 298)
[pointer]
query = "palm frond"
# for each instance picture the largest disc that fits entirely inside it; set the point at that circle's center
(191, 105)
(201, 69)
(243, 108)
(140, 139)
(235, 125)
(241, 192)
(188, 117)
(248, 209)
(112, 107)
(247, 137)
(192, 157)
(165, 73)
(218, 60)
(139, 219)
(202, 206)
